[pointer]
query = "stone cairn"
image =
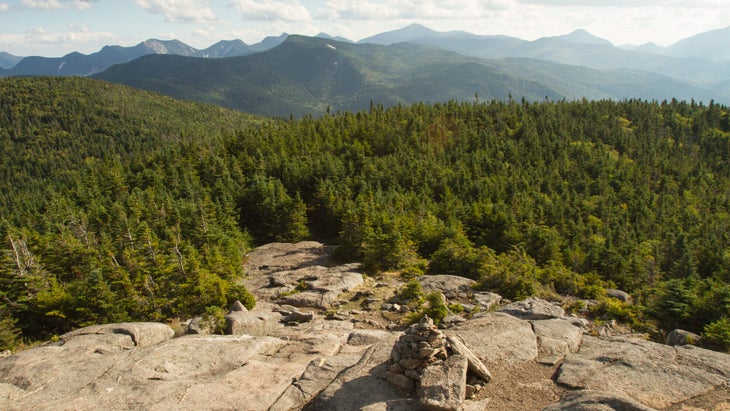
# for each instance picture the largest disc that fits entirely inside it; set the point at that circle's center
(422, 349)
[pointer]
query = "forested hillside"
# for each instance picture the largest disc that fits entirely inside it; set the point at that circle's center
(124, 205)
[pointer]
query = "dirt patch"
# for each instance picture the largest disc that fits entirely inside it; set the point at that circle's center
(526, 386)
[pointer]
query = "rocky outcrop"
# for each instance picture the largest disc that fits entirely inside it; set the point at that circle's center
(497, 338)
(451, 286)
(683, 337)
(259, 321)
(298, 275)
(653, 374)
(533, 309)
(292, 358)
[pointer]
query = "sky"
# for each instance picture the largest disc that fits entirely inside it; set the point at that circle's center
(54, 28)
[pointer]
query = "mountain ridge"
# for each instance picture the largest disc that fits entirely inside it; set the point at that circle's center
(306, 75)
(78, 64)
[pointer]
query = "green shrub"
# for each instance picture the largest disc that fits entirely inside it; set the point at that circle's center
(215, 316)
(717, 334)
(412, 291)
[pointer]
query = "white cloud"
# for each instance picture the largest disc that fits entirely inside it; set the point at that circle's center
(82, 4)
(76, 35)
(51, 4)
(41, 4)
(361, 10)
(272, 10)
(4, 7)
(414, 9)
(177, 11)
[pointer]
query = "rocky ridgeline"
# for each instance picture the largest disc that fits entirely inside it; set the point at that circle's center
(442, 369)
(322, 337)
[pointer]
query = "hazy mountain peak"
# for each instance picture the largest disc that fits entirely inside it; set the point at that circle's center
(168, 47)
(411, 32)
(227, 48)
(8, 60)
(711, 45)
(581, 36)
(324, 35)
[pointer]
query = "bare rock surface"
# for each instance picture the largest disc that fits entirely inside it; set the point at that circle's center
(451, 286)
(443, 384)
(654, 374)
(259, 321)
(534, 309)
(497, 338)
(532, 356)
(298, 274)
(557, 337)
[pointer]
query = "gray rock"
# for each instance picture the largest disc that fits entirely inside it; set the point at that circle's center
(557, 336)
(474, 363)
(142, 334)
(533, 309)
(619, 295)
(497, 338)
(450, 285)
(443, 384)
(451, 320)
(368, 337)
(298, 317)
(260, 322)
(487, 300)
(591, 400)
(653, 374)
(683, 337)
(199, 326)
(238, 306)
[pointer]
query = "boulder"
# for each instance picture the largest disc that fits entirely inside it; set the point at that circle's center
(654, 374)
(368, 337)
(198, 325)
(497, 338)
(557, 336)
(451, 286)
(443, 384)
(260, 321)
(474, 363)
(619, 295)
(296, 316)
(534, 309)
(238, 306)
(487, 300)
(683, 337)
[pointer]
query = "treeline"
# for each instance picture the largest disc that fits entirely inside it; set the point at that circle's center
(121, 205)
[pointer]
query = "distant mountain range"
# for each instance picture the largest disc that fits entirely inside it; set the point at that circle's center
(307, 75)
(285, 74)
(77, 64)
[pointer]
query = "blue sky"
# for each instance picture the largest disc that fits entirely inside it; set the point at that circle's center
(57, 27)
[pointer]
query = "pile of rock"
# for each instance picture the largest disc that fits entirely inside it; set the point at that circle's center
(442, 369)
